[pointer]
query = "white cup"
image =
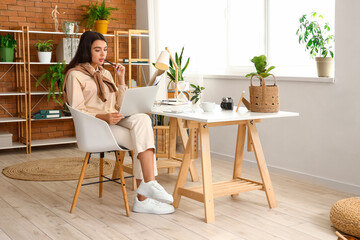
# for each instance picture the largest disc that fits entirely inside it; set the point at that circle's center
(207, 106)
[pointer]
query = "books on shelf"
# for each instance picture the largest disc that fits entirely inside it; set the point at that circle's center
(46, 114)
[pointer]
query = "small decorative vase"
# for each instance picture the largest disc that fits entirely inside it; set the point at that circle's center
(69, 27)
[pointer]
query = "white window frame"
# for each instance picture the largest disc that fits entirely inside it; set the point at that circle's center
(243, 70)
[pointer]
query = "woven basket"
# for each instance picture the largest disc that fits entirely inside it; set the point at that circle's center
(345, 216)
(264, 98)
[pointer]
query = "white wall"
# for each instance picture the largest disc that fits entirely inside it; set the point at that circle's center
(323, 144)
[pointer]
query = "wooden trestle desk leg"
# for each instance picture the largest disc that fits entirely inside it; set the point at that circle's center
(239, 152)
(260, 158)
(206, 173)
(184, 169)
(185, 138)
(176, 124)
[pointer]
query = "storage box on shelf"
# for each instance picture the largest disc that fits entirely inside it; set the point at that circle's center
(13, 100)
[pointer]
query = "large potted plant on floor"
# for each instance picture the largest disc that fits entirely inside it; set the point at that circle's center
(7, 48)
(98, 16)
(315, 34)
(44, 49)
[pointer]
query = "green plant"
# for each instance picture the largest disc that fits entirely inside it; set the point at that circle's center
(7, 41)
(197, 92)
(44, 46)
(53, 77)
(181, 70)
(315, 36)
(96, 12)
(260, 65)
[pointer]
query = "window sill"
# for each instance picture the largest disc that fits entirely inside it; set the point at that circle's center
(282, 79)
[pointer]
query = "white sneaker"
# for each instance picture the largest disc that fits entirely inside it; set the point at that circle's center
(152, 206)
(154, 190)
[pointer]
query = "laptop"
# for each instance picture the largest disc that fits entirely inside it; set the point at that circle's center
(138, 100)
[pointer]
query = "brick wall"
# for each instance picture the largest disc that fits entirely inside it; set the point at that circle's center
(37, 15)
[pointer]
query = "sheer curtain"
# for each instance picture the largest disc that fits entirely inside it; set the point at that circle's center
(198, 26)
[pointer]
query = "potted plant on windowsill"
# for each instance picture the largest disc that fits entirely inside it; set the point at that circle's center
(181, 70)
(54, 80)
(98, 16)
(7, 48)
(44, 49)
(315, 35)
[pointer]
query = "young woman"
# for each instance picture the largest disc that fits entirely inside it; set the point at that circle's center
(90, 88)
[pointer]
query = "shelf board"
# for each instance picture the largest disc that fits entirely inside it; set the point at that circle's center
(14, 31)
(62, 33)
(41, 93)
(11, 62)
(60, 118)
(54, 141)
(42, 63)
(12, 94)
(12, 119)
(14, 145)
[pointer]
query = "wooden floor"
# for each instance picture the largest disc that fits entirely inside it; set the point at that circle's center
(40, 210)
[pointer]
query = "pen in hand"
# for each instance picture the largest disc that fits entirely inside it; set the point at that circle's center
(112, 64)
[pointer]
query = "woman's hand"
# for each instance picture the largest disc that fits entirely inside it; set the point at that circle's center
(120, 73)
(110, 118)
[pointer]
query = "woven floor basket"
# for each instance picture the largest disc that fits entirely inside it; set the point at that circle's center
(264, 98)
(345, 216)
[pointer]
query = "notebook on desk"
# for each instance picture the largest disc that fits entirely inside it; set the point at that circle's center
(138, 100)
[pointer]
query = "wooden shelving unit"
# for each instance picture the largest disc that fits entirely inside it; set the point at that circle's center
(131, 61)
(20, 117)
(24, 94)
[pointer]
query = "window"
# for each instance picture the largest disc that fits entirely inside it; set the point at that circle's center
(221, 37)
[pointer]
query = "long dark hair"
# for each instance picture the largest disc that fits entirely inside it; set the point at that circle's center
(83, 53)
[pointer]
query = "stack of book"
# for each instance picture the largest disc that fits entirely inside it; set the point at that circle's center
(46, 114)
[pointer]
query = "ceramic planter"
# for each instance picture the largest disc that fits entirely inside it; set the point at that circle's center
(324, 66)
(101, 26)
(44, 57)
(6, 54)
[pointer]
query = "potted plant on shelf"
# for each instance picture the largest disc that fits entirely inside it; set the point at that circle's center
(54, 79)
(181, 70)
(7, 48)
(98, 16)
(263, 98)
(44, 49)
(315, 35)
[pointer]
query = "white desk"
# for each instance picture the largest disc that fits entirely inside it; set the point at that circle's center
(201, 121)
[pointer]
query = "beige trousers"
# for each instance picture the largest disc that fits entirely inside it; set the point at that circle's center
(135, 133)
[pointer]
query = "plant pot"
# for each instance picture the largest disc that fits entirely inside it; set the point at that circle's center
(324, 66)
(101, 26)
(6, 54)
(44, 57)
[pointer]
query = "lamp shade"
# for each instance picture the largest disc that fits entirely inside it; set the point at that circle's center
(162, 62)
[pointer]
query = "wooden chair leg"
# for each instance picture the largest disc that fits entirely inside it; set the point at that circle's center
(81, 178)
(120, 159)
(134, 185)
(101, 173)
